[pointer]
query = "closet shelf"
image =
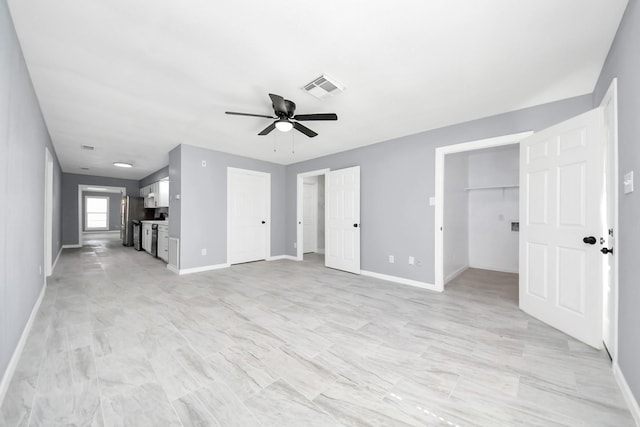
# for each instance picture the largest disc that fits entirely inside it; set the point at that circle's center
(491, 187)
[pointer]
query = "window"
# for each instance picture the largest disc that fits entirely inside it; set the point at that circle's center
(96, 213)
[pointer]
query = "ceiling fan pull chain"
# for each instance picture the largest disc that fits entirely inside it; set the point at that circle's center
(274, 142)
(293, 150)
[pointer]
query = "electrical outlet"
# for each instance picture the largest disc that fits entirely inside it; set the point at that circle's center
(412, 260)
(40, 269)
(295, 245)
(204, 251)
(392, 259)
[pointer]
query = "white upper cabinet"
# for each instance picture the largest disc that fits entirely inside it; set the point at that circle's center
(156, 195)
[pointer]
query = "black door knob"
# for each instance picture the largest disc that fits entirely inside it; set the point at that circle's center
(607, 251)
(264, 222)
(589, 240)
(355, 225)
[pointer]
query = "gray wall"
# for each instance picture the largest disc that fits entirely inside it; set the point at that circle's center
(623, 62)
(397, 179)
(23, 138)
(203, 200)
(114, 208)
(154, 177)
(70, 183)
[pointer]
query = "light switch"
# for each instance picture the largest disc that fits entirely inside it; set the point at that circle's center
(628, 182)
(432, 201)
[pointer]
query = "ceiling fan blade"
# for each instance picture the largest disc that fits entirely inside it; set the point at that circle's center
(279, 105)
(319, 116)
(249, 114)
(304, 130)
(268, 129)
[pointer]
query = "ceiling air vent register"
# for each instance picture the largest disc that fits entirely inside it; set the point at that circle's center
(323, 86)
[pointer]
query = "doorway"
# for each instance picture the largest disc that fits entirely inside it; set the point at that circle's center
(99, 190)
(310, 239)
(313, 218)
(480, 205)
(440, 229)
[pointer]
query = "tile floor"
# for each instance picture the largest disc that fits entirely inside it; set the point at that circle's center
(121, 341)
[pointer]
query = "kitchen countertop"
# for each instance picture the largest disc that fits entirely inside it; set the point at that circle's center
(156, 221)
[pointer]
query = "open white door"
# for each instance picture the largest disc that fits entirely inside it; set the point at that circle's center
(561, 203)
(248, 210)
(342, 222)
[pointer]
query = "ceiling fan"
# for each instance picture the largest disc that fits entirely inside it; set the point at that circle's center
(285, 119)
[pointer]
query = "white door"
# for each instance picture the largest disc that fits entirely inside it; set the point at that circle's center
(562, 189)
(248, 215)
(609, 318)
(310, 216)
(342, 219)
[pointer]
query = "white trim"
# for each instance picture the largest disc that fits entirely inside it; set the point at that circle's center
(231, 170)
(48, 211)
(401, 280)
(300, 208)
(71, 246)
(86, 187)
(632, 403)
(13, 363)
(53, 267)
(491, 268)
(439, 190)
(279, 257)
(612, 93)
(197, 269)
(456, 273)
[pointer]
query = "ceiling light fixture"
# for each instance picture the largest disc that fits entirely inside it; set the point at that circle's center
(284, 125)
(122, 165)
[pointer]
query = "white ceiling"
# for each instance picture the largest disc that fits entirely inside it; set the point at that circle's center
(135, 78)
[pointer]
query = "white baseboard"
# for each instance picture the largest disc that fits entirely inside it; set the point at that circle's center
(197, 269)
(455, 274)
(320, 251)
(278, 257)
(632, 403)
(490, 268)
(71, 246)
(13, 363)
(401, 280)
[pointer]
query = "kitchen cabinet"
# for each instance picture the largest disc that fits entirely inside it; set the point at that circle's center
(146, 236)
(163, 242)
(156, 195)
(163, 194)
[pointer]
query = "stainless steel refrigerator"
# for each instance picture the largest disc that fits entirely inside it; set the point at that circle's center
(131, 208)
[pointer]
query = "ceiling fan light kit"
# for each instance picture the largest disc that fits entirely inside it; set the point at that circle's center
(285, 119)
(284, 125)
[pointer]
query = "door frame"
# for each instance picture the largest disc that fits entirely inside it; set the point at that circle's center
(300, 209)
(441, 152)
(93, 188)
(48, 212)
(310, 188)
(231, 170)
(612, 96)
